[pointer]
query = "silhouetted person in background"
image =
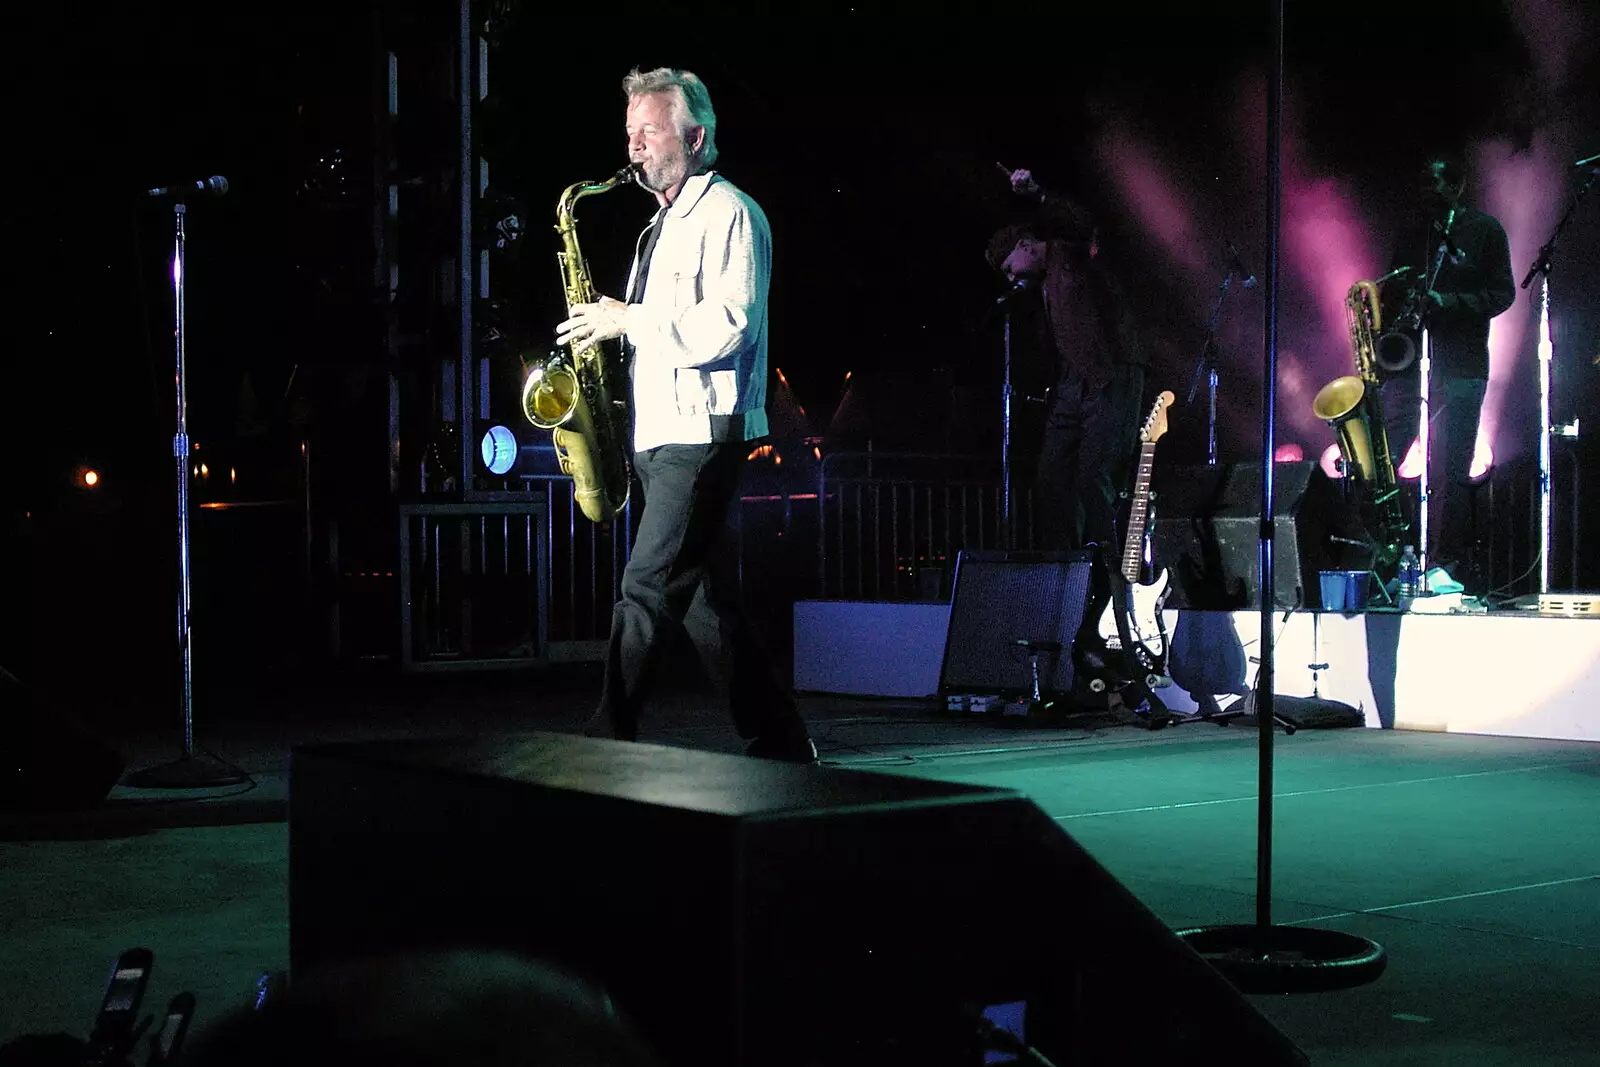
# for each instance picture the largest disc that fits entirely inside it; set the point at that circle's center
(1473, 285)
(1094, 360)
(427, 1009)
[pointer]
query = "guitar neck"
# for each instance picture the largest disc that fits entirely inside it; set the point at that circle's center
(1138, 514)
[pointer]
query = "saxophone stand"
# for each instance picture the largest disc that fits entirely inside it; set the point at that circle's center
(1374, 580)
(188, 771)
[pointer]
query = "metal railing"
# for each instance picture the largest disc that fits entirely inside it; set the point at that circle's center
(890, 525)
(472, 585)
(856, 526)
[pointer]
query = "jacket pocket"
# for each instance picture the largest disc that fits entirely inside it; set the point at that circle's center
(685, 290)
(706, 392)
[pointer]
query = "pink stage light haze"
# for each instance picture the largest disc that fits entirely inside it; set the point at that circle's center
(1153, 197)
(1524, 190)
(1328, 248)
(1550, 28)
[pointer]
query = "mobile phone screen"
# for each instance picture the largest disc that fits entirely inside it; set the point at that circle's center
(123, 992)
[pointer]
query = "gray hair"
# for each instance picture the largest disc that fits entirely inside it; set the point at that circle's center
(691, 102)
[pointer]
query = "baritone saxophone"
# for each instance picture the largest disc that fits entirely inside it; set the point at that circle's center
(1353, 406)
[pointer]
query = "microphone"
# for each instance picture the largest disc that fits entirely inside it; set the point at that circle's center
(1591, 161)
(1020, 286)
(1236, 267)
(215, 185)
(1451, 248)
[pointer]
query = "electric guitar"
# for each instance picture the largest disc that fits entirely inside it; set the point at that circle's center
(1131, 621)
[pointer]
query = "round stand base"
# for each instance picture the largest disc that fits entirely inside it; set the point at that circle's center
(187, 772)
(1287, 959)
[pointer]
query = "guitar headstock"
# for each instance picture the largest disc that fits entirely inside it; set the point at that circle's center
(1155, 424)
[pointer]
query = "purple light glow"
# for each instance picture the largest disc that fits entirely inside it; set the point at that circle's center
(1551, 29)
(1523, 190)
(1153, 196)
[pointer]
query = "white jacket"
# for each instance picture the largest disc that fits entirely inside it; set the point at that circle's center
(699, 329)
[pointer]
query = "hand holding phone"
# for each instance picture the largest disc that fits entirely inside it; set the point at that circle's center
(115, 1026)
(168, 1041)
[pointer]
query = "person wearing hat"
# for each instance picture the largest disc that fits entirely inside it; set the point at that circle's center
(1086, 338)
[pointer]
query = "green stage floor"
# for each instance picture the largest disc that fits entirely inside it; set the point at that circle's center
(1474, 860)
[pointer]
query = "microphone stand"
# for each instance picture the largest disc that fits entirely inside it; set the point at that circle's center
(1547, 430)
(188, 771)
(1008, 539)
(1007, 533)
(1208, 364)
(1264, 957)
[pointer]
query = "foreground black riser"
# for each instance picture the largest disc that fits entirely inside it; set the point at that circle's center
(746, 912)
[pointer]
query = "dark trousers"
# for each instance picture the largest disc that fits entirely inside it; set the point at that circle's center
(1085, 459)
(684, 569)
(1454, 405)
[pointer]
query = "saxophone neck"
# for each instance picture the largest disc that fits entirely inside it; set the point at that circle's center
(578, 190)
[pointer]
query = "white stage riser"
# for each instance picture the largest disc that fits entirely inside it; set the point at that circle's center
(1511, 675)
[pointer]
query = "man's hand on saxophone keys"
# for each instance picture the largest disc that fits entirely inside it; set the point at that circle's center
(589, 324)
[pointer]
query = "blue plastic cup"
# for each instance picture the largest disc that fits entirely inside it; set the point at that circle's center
(1357, 588)
(1335, 590)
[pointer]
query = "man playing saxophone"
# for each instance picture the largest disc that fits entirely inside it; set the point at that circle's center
(1466, 253)
(695, 328)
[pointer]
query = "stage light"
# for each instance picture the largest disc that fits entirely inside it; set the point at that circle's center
(91, 478)
(1288, 453)
(499, 448)
(1332, 461)
(205, 471)
(1482, 461)
(1411, 466)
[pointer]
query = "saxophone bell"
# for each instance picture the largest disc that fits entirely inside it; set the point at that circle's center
(550, 391)
(1341, 404)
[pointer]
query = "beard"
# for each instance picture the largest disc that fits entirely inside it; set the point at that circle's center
(660, 175)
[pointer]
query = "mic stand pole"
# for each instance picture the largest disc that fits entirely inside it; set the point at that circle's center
(1262, 957)
(1008, 538)
(1208, 364)
(188, 771)
(1541, 269)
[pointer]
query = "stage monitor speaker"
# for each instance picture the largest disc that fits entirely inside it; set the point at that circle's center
(1206, 532)
(750, 912)
(999, 598)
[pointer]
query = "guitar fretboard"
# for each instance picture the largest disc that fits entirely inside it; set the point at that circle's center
(1138, 515)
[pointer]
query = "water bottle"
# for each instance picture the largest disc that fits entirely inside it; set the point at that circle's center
(1409, 578)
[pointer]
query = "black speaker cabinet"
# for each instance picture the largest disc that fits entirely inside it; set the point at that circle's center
(1206, 531)
(999, 598)
(749, 912)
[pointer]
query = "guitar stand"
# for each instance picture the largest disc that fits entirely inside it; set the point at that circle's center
(1148, 710)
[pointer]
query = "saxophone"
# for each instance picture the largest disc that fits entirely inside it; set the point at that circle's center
(1354, 408)
(581, 395)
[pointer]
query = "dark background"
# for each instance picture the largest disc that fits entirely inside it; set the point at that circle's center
(871, 139)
